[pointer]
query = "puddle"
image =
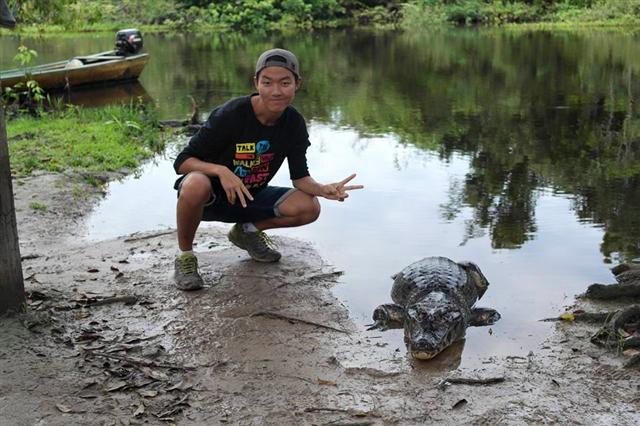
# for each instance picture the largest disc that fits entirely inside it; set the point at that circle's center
(400, 217)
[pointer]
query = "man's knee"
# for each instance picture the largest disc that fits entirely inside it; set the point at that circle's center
(304, 207)
(195, 188)
(313, 211)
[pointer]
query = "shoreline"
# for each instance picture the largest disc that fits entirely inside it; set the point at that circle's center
(254, 329)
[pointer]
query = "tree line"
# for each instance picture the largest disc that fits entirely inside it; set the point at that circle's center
(268, 15)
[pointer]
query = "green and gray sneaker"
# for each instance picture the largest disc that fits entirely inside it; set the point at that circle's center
(186, 274)
(259, 246)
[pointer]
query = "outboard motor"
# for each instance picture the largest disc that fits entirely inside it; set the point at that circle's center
(128, 42)
(6, 18)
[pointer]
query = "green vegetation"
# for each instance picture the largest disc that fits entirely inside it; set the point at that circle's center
(268, 15)
(89, 140)
(30, 95)
(38, 206)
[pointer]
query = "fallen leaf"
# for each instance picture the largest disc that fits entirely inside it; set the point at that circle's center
(154, 374)
(459, 404)
(181, 385)
(139, 411)
(34, 294)
(81, 315)
(630, 352)
(148, 393)
(89, 393)
(567, 316)
(63, 408)
(115, 385)
(327, 382)
(87, 336)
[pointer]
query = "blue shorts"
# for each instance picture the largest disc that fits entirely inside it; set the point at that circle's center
(264, 206)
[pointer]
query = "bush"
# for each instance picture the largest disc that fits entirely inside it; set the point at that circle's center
(423, 14)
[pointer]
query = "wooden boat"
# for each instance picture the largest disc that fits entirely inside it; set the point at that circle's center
(82, 70)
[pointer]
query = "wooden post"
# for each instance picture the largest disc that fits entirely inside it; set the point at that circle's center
(11, 281)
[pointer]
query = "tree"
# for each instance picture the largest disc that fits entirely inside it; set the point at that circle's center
(11, 280)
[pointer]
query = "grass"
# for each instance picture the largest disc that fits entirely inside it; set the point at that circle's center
(88, 140)
(41, 30)
(38, 206)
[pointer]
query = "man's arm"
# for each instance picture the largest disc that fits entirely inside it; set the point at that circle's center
(232, 184)
(193, 164)
(332, 191)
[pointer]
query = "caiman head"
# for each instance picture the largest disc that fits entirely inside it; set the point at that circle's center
(432, 324)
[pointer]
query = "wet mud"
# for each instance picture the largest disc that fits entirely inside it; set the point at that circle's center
(109, 340)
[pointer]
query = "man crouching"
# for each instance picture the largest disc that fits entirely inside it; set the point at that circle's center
(227, 166)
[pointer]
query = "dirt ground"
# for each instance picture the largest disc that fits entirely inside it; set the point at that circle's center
(108, 340)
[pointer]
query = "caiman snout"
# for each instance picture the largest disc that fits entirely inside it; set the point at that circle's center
(427, 347)
(423, 349)
(429, 331)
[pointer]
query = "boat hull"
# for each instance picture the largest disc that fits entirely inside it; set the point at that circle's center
(97, 69)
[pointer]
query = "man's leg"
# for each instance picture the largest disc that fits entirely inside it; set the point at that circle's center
(195, 192)
(296, 209)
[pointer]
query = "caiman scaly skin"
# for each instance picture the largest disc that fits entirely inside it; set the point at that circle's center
(433, 300)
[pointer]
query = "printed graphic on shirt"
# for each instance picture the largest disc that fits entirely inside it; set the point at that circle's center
(251, 163)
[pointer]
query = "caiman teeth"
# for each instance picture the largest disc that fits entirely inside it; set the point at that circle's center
(423, 355)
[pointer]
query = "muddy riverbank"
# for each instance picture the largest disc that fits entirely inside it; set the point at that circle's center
(108, 338)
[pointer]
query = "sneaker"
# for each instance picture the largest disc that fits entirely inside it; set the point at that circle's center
(259, 246)
(186, 274)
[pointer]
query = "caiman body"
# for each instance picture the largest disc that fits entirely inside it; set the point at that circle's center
(434, 301)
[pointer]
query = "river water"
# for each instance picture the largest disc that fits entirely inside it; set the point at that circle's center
(517, 150)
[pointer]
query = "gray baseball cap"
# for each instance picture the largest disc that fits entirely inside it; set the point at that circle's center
(278, 58)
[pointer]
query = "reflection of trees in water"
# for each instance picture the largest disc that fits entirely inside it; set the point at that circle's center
(502, 196)
(589, 150)
(501, 191)
(551, 109)
(608, 192)
(614, 204)
(533, 114)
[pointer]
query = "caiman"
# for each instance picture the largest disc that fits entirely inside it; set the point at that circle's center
(434, 301)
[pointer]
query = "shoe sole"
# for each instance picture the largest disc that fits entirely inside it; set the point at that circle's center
(184, 288)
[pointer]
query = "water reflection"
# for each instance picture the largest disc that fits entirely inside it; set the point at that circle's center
(447, 360)
(103, 95)
(517, 150)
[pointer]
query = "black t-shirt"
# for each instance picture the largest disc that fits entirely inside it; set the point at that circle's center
(233, 137)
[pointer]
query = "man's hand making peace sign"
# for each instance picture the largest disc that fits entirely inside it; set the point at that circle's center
(338, 191)
(331, 191)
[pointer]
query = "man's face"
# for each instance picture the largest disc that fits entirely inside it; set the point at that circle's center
(277, 88)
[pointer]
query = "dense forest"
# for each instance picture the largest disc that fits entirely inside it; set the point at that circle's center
(267, 15)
